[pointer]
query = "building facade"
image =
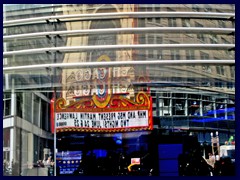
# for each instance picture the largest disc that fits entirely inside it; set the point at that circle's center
(181, 55)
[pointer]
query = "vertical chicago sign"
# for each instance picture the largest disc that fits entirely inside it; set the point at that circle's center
(102, 99)
(97, 109)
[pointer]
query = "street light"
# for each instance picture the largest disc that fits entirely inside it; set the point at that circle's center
(215, 142)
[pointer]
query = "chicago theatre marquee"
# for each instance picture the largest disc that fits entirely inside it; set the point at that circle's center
(103, 99)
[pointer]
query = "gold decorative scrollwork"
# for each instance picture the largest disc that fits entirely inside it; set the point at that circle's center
(116, 101)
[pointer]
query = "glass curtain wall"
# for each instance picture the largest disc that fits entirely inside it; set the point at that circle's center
(181, 55)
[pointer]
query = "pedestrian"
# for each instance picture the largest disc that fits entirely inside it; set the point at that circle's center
(5, 166)
(48, 161)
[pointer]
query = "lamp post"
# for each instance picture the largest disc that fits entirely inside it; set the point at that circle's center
(217, 139)
(212, 143)
(215, 142)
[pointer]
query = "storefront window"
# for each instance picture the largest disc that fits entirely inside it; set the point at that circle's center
(6, 105)
(179, 108)
(208, 108)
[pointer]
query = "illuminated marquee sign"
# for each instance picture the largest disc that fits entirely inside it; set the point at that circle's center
(135, 161)
(120, 114)
(100, 105)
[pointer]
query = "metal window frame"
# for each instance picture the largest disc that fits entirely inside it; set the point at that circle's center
(120, 30)
(118, 15)
(117, 47)
(117, 63)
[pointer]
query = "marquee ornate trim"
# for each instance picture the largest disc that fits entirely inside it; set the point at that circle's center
(117, 102)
